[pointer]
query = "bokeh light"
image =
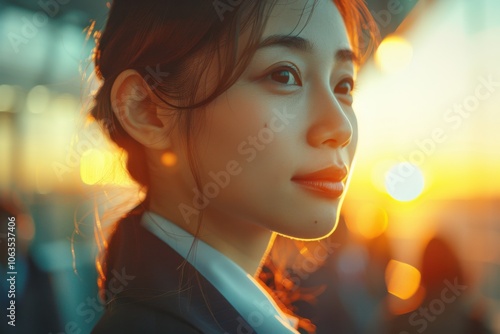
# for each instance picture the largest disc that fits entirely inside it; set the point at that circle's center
(368, 220)
(92, 165)
(38, 99)
(100, 166)
(402, 279)
(404, 182)
(394, 54)
(8, 95)
(169, 159)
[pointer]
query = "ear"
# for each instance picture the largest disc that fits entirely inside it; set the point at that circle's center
(136, 108)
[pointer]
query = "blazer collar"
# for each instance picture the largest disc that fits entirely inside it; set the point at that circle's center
(253, 304)
(144, 270)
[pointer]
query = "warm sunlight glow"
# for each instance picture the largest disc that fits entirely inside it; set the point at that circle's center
(38, 99)
(398, 306)
(368, 220)
(8, 95)
(402, 279)
(169, 159)
(394, 54)
(404, 182)
(92, 166)
(103, 167)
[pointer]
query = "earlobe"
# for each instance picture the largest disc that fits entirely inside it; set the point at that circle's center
(135, 107)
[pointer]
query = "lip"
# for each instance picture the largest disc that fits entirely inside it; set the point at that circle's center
(328, 182)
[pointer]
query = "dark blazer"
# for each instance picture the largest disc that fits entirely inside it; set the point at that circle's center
(150, 288)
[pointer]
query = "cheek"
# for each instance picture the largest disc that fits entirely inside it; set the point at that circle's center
(354, 141)
(233, 121)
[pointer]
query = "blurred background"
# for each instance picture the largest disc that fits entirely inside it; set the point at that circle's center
(418, 247)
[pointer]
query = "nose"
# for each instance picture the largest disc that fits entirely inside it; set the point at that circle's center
(332, 125)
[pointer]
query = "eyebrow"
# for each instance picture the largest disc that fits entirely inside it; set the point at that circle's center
(304, 45)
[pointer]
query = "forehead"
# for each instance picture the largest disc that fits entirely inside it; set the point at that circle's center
(318, 21)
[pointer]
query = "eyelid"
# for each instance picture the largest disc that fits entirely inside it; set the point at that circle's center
(285, 66)
(349, 79)
(346, 98)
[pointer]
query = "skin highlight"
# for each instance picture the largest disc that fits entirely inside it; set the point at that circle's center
(299, 89)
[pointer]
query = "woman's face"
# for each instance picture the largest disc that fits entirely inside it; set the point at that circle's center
(277, 146)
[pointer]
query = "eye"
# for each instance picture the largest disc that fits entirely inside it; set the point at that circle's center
(286, 75)
(345, 87)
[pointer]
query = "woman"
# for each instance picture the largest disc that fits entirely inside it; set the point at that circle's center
(237, 121)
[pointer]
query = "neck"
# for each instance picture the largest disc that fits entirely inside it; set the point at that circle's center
(246, 243)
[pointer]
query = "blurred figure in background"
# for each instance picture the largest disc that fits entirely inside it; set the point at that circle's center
(35, 306)
(449, 305)
(337, 282)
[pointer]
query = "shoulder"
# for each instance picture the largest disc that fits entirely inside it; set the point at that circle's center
(137, 318)
(136, 262)
(150, 288)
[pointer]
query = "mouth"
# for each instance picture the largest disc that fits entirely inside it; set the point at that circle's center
(328, 182)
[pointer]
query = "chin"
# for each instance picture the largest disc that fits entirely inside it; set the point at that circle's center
(313, 231)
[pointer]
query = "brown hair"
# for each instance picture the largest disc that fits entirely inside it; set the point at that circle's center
(182, 38)
(159, 37)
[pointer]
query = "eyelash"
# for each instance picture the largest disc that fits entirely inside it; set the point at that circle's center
(350, 81)
(295, 74)
(287, 68)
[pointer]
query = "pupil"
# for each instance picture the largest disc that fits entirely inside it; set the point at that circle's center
(283, 76)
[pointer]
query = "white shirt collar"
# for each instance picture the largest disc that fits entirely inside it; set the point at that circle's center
(240, 289)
